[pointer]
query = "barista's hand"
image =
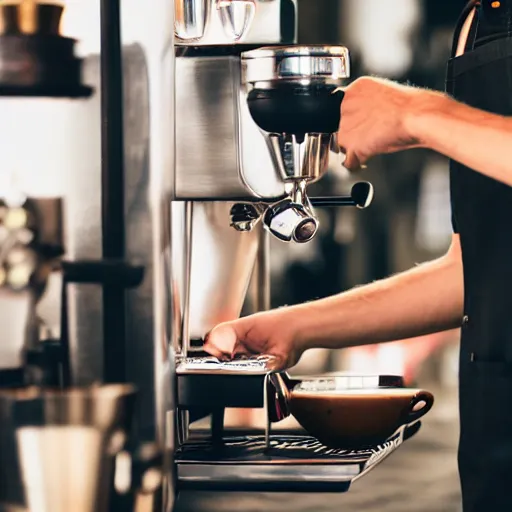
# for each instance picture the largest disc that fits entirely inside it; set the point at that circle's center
(375, 119)
(270, 333)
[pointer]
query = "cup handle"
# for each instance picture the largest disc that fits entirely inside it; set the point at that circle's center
(411, 415)
(277, 394)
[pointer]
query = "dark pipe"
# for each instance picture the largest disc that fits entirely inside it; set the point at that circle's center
(112, 171)
(67, 376)
(217, 426)
(332, 201)
(106, 273)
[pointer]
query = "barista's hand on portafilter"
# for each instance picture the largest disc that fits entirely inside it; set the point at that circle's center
(375, 119)
(270, 333)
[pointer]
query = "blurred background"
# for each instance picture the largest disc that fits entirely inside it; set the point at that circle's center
(408, 223)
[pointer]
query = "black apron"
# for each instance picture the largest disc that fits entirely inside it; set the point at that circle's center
(482, 215)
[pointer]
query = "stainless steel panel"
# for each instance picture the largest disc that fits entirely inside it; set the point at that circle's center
(220, 152)
(140, 236)
(212, 287)
(83, 236)
(148, 61)
(148, 71)
(265, 26)
(259, 293)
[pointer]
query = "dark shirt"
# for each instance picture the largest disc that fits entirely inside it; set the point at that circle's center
(490, 23)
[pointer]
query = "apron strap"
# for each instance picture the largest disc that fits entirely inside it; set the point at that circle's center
(460, 24)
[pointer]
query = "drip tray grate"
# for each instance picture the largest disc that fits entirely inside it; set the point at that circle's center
(293, 463)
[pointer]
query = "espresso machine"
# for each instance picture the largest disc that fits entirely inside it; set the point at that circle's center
(190, 132)
(255, 123)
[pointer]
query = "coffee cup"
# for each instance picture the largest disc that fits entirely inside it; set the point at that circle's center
(356, 418)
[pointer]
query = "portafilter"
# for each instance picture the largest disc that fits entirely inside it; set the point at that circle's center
(294, 96)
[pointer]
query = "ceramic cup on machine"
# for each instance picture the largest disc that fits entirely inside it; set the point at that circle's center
(347, 411)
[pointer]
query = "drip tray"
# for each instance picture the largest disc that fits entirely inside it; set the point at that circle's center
(294, 463)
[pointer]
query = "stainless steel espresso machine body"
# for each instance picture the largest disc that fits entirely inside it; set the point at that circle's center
(256, 117)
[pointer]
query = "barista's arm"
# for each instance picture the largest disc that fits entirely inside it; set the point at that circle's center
(477, 139)
(379, 116)
(426, 299)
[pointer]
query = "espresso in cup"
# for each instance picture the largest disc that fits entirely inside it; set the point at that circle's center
(357, 418)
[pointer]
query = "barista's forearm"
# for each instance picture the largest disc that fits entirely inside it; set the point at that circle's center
(477, 139)
(426, 299)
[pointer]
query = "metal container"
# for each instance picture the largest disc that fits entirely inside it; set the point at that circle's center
(227, 22)
(60, 445)
(328, 64)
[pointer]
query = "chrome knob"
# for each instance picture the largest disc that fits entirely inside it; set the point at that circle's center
(244, 216)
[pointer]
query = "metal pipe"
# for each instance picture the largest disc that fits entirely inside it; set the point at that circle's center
(185, 321)
(262, 273)
(112, 171)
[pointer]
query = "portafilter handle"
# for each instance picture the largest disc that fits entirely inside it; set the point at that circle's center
(291, 220)
(295, 220)
(361, 196)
